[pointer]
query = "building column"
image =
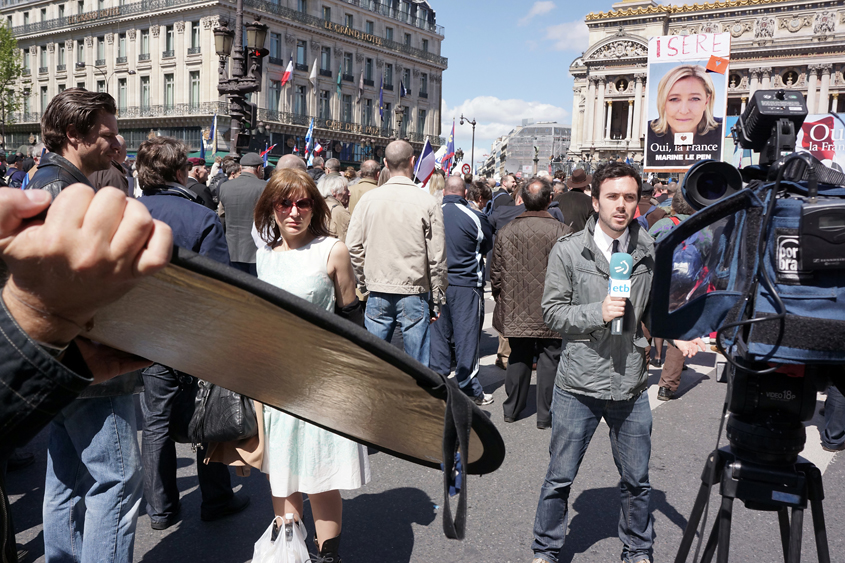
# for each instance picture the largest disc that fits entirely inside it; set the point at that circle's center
(744, 101)
(767, 77)
(824, 91)
(574, 136)
(812, 77)
(638, 106)
(834, 102)
(598, 134)
(589, 113)
(630, 120)
(609, 119)
(755, 80)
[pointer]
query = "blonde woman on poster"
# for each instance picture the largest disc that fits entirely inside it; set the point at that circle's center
(686, 129)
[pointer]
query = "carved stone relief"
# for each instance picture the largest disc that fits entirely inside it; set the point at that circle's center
(764, 27)
(619, 50)
(33, 50)
(89, 41)
(359, 58)
(794, 24)
(155, 30)
(738, 28)
(211, 22)
(824, 23)
(379, 63)
(711, 27)
(180, 27)
(289, 39)
(51, 47)
(131, 33)
(109, 38)
(416, 72)
(69, 45)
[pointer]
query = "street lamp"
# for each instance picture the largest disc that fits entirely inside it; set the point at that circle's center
(242, 81)
(472, 152)
(108, 76)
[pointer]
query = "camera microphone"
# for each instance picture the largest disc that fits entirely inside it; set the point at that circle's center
(619, 285)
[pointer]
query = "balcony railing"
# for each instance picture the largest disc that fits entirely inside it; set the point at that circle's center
(144, 57)
(325, 72)
(349, 78)
(100, 62)
(61, 68)
(168, 54)
(276, 61)
(43, 70)
(389, 11)
(388, 87)
(300, 66)
(171, 110)
(318, 23)
(122, 60)
(368, 82)
(423, 94)
(194, 50)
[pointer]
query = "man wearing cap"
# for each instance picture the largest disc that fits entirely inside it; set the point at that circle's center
(197, 177)
(576, 206)
(14, 174)
(238, 198)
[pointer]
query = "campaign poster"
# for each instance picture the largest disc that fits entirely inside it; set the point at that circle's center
(823, 136)
(686, 100)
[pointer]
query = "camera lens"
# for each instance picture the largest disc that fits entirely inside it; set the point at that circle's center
(712, 186)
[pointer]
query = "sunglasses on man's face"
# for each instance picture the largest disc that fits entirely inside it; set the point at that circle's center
(304, 204)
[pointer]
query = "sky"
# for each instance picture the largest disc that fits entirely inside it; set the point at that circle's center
(509, 61)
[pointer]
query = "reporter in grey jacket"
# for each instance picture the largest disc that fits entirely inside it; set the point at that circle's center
(600, 375)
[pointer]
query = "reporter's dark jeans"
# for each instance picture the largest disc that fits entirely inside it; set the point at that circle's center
(159, 453)
(833, 436)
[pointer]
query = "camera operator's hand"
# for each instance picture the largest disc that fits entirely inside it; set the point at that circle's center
(89, 251)
(105, 362)
(689, 348)
(612, 308)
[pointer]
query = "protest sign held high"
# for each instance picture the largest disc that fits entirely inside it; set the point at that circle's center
(687, 97)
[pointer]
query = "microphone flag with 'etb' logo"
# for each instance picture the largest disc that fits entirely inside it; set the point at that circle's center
(619, 285)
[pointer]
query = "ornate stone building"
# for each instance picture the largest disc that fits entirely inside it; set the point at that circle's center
(774, 44)
(157, 58)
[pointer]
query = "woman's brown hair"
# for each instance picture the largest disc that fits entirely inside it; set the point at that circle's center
(289, 183)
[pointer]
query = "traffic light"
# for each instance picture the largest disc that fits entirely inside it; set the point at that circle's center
(256, 62)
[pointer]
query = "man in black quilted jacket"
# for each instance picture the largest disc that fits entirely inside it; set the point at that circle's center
(517, 276)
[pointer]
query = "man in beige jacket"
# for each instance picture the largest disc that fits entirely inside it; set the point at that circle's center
(398, 249)
(369, 181)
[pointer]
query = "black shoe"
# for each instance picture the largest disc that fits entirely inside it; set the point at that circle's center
(656, 363)
(23, 554)
(665, 394)
(19, 460)
(167, 522)
(509, 419)
(543, 425)
(237, 503)
(329, 552)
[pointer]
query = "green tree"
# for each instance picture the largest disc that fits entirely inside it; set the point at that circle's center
(11, 68)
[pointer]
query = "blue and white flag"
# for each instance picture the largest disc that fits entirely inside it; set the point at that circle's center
(214, 136)
(308, 136)
(402, 90)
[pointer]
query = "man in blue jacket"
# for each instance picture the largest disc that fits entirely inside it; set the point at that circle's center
(469, 237)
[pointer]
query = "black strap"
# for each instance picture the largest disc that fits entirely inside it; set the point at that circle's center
(456, 431)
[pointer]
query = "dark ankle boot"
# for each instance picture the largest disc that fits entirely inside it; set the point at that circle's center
(328, 554)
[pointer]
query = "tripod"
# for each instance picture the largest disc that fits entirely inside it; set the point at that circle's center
(760, 487)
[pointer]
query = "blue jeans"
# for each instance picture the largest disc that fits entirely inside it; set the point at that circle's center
(94, 482)
(574, 421)
(833, 436)
(460, 323)
(411, 312)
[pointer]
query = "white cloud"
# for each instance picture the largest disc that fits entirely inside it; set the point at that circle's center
(495, 117)
(569, 36)
(538, 9)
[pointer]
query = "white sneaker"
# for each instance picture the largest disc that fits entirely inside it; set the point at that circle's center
(484, 399)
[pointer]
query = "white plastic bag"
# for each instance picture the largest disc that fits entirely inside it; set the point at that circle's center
(288, 545)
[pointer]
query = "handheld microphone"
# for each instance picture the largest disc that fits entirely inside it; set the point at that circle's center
(619, 285)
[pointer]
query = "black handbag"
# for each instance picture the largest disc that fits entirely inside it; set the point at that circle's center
(203, 412)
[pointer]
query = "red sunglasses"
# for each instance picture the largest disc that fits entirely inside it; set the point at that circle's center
(304, 204)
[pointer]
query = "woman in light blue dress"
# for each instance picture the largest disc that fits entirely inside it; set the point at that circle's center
(301, 258)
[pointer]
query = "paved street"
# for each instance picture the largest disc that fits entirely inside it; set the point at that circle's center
(397, 517)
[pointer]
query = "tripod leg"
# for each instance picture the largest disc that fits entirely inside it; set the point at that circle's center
(783, 523)
(707, 482)
(712, 542)
(725, 514)
(816, 494)
(795, 536)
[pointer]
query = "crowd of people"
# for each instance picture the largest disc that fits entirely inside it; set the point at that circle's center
(374, 247)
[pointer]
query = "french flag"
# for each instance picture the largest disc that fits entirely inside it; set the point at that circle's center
(288, 71)
(425, 165)
(318, 148)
